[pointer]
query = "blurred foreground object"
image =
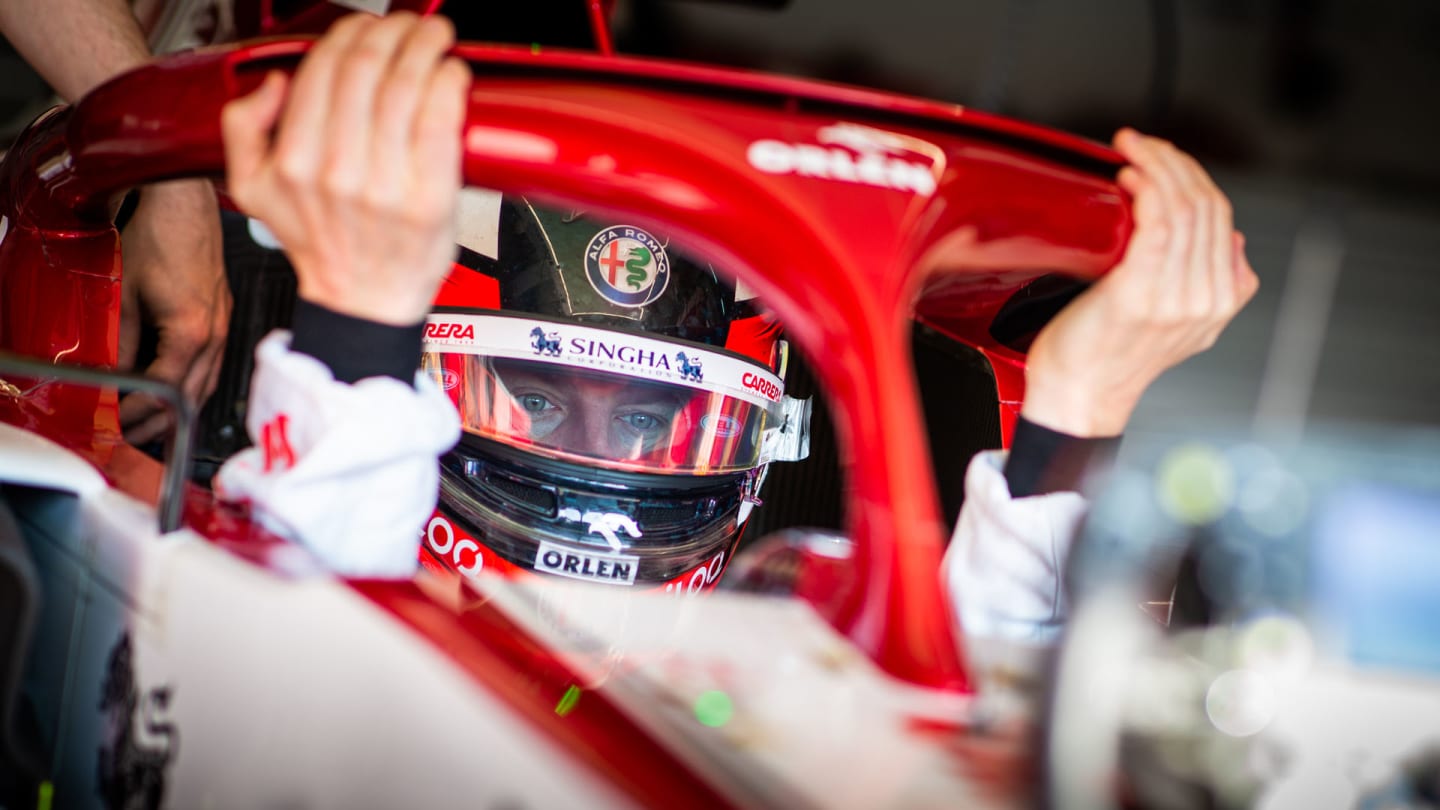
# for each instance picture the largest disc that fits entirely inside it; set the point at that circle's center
(1296, 661)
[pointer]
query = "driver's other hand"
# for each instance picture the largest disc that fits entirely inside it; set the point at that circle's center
(354, 164)
(174, 277)
(1183, 277)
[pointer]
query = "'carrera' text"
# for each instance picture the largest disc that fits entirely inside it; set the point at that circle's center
(759, 384)
(453, 331)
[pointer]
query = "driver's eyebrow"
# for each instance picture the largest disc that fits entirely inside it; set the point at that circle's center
(521, 384)
(653, 396)
(560, 381)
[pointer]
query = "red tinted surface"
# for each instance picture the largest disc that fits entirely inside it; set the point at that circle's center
(842, 263)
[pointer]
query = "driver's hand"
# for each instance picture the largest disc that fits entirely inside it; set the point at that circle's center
(1182, 279)
(174, 277)
(354, 164)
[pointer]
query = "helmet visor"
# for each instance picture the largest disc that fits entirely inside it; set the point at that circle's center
(603, 397)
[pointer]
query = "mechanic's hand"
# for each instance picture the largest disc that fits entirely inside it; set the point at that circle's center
(359, 180)
(1183, 277)
(174, 276)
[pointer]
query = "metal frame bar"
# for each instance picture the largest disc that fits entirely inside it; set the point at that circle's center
(178, 449)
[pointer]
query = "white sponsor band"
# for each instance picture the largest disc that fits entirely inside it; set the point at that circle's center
(586, 347)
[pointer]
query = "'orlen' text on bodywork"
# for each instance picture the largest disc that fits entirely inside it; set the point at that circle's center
(851, 153)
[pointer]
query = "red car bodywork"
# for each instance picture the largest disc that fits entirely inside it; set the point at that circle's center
(847, 256)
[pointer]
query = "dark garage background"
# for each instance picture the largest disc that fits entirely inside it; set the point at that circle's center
(1319, 117)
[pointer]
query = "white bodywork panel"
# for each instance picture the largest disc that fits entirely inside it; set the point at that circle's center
(249, 688)
(33, 460)
(814, 722)
(277, 685)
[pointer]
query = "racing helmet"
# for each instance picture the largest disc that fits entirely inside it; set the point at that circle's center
(619, 402)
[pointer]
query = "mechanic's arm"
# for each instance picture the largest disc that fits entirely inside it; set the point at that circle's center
(74, 44)
(1182, 279)
(354, 166)
(172, 252)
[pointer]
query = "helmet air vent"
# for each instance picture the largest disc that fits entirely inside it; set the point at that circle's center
(536, 499)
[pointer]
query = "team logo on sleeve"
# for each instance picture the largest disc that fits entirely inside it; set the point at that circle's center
(627, 266)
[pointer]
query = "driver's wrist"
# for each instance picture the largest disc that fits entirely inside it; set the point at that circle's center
(1077, 412)
(356, 348)
(393, 307)
(1043, 460)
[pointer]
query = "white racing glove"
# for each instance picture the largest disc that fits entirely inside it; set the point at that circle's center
(347, 470)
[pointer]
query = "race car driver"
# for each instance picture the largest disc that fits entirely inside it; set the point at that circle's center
(620, 403)
(353, 165)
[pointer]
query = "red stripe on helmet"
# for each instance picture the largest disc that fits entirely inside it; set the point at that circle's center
(466, 288)
(755, 338)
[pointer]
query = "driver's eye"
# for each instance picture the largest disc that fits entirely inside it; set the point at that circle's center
(534, 403)
(641, 421)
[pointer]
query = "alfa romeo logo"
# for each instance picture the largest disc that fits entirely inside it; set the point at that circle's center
(627, 266)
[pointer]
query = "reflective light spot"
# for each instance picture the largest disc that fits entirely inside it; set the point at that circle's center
(713, 708)
(1240, 703)
(1278, 646)
(261, 235)
(510, 145)
(1196, 484)
(1274, 503)
(830, 546)
(568, 700)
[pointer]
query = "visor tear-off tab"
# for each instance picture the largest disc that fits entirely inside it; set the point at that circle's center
(790, 439)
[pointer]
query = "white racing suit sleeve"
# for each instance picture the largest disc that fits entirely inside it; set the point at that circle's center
(348, 471)
(1005, 561)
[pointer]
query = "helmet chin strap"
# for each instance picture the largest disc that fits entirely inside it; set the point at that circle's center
(750, 493)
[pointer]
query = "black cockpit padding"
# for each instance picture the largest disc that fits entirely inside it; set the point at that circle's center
(20, 598)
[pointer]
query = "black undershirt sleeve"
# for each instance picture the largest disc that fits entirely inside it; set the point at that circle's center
(355, 348)
(1043, 461)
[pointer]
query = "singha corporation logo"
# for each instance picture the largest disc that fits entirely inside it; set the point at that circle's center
(689, 368)
(133, 762)
(545, 343)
